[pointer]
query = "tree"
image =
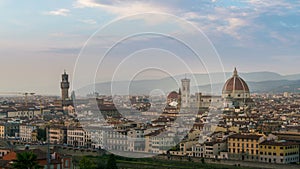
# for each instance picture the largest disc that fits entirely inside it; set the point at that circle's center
(100, 164)
(26, 160)
(86, 163)
(41, 134)
(202, 160)
(111, 162)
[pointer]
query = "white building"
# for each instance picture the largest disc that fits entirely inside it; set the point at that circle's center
(116, 140)
(78, 137)
(26, 132)
(23, 112)
(98, 135)
(136, 140)
(159, 143)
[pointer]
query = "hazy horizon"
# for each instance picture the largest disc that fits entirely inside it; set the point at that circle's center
(39, 40)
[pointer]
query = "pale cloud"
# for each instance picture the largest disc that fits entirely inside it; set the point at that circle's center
(232, 27)
(63, 35)
(122, 8)
(128, 8)
(214, 17)
(59, 12)
(88, 21)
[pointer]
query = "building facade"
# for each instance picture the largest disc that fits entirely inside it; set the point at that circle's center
(78, 137)
(58, 135)
(282, 152)
(27, 133)
(244, 146)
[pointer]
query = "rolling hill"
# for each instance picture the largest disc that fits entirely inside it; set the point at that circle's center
(258, 82)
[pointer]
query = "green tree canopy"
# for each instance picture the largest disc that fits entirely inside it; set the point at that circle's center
(111, 162)
(41, 134)
(86, 163)
(26, 160)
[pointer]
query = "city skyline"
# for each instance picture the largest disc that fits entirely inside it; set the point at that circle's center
(44, 38)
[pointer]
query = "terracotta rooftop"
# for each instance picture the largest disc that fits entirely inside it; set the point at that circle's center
(279, 143)
(246, 136)
(235, 83)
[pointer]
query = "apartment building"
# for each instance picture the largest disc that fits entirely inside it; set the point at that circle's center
(27, 132)
(244, 146)
(283, 152)
(78, 137)
(58, 135)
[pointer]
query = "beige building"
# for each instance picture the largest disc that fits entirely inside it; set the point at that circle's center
(159, 144)
(78, 137)
(205, 101)
(213, 149)
(27, 132)
(23, 112)
(4, 151)
(2, 130)
(58, 135)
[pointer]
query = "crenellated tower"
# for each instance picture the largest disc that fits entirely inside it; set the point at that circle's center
(65, 85)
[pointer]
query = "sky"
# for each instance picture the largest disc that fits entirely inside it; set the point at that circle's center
(41, 39)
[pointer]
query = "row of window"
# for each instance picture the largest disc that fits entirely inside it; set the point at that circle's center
(281, 154)
(236, 150)
(242, 145)
(242, 139)
(274, 160)
(281, 147)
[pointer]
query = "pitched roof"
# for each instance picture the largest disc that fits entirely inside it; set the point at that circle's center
(246, 136)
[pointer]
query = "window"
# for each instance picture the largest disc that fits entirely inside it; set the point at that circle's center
(66, 163)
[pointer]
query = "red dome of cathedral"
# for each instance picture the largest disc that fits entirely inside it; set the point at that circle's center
(235, 85)
(173, 95)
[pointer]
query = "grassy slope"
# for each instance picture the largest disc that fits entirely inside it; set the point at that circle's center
(150, 163)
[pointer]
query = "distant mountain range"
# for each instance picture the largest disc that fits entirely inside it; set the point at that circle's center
(258, 82)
